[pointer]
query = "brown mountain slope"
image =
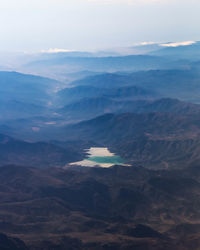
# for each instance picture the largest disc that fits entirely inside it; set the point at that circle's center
(39, 154)
(117, 208)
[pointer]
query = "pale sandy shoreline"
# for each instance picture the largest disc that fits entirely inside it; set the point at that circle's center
(99, 152)
(87, 163)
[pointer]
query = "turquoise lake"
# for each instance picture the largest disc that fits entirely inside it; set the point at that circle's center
(100, 157)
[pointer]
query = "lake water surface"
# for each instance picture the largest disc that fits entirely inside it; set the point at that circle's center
(101, 157)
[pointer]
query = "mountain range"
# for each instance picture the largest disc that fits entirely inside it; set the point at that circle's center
(140, 104)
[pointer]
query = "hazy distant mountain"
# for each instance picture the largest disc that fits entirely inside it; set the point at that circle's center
(23, 96)
(88, 108)
(32, 89)
(75, 94)
(70, 65)
(77, 75)
(190, 52)
(106, 80)
(10, 110)
(64, 65)
(181, 84)
(139, 49)
(167, 105)
(51, 126)
(91, 107)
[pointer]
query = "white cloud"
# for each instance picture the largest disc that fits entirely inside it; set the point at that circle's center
(56, 50)
(112, 1)
(177, 44)
(128, 1)
(145, 43)
(131, 2)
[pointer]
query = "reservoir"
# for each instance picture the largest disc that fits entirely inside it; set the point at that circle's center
(100, 157)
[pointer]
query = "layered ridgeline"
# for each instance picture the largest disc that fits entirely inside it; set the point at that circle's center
(74, 65)
(167, 138)
(25, 95)
(154, 140)
(118, 93)
(88, 108)
(181, 84)
(62, 64)
(26, 103)
(74, 94)
(147, 122)
(26, 88)
(40, 104)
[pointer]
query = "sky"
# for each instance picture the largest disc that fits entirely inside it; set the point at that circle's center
(37, 25)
